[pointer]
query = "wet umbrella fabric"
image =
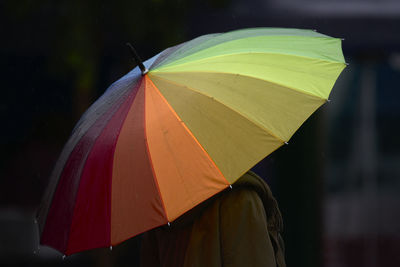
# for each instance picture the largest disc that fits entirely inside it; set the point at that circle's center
(157, 144)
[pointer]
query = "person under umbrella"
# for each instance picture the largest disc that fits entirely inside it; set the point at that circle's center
(238, 227)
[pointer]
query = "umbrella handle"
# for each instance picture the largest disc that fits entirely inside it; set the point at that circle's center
(137, 59)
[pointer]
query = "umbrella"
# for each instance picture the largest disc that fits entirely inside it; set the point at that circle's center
(181, 127)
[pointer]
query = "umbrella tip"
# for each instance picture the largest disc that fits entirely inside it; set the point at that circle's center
(286, 143)
(137, 59)
(169, 224)
(111, 248)
(230, 186)
(63, 257)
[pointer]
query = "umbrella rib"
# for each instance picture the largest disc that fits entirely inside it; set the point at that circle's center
(171, 64)
(243, 75)
(149, 156)
(230, 108)
(174, 159)
(154, 174)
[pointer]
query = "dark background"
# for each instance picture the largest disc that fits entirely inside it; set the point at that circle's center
(337, 182)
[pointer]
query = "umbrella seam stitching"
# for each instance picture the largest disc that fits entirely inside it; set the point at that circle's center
(221, 72)
(171, 65)
(244, 75)
(149, 155)
(132, 94)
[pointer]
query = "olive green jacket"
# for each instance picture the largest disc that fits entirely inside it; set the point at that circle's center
(238, 227)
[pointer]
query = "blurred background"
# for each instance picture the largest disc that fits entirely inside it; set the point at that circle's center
(337, 182)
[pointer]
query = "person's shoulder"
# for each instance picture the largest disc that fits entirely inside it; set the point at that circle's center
(249, 184)
(252, 180)
(244, 192)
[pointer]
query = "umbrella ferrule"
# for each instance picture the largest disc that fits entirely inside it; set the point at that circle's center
(137, 59)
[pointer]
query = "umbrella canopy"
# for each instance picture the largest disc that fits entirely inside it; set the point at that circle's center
(160, 141)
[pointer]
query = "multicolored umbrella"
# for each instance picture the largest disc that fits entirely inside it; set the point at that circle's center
(183, 127)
